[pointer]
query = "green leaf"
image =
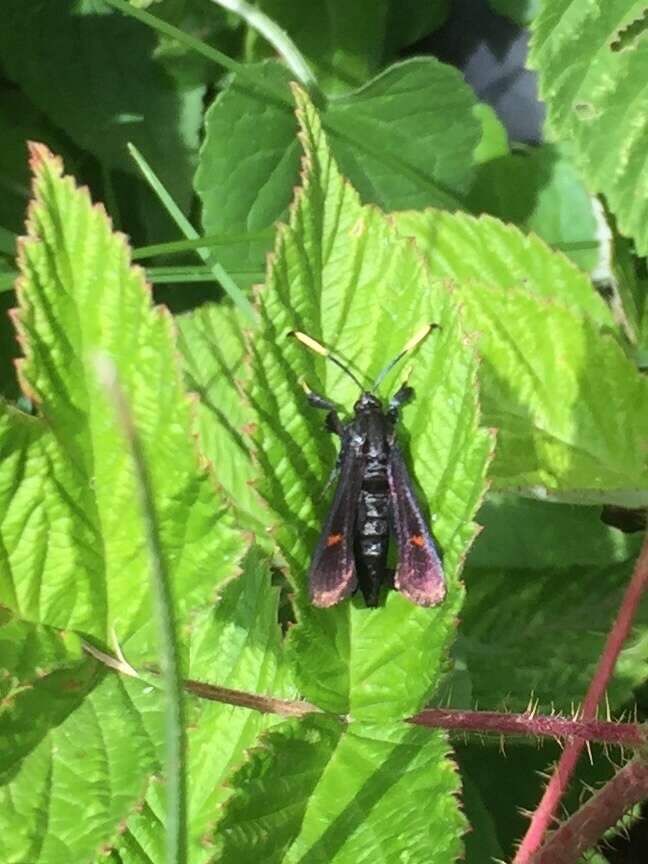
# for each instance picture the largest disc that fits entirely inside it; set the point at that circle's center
(518, 770)
(537, 634)
(342, 274)
(95, 761)
(42, 682)
(482, 846)
(73, 544)
(211, 262)
(247, 169)
(204, 23)
(568, 403)
(642, 335)
(80, 738)
(19, 123)
(521, 773)
(408, 21)
(237, 644)
(520, 11)
(522, 533)
(213, 348)
(391, 137)
(544, 582)
(484, 251)
(7, 247)
(9, 350)
(279, 41)
(343, 43)
(314, 793)
(599, 99)
(393, 140)
(628, 292)
(494, 137)
(348, 44)
(540, 190)
(108, 94)
(28, 651)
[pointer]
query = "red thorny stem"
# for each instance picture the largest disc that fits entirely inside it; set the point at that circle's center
(533, 725)
(546, 809)
(451, 719)
(604, 809)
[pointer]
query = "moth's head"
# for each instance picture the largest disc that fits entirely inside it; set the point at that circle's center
(367, 404)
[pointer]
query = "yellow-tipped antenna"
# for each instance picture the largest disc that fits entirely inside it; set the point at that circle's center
(318, 348)
(309, 342)
(419, 336)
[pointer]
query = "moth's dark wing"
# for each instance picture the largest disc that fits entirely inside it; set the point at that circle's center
(419, 575)
(332, 574)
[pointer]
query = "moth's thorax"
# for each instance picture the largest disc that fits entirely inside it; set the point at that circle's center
(371, 429)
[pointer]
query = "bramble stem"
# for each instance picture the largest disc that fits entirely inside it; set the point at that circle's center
(584, 829)
(485, 722)
(559, 781)
(554, 726)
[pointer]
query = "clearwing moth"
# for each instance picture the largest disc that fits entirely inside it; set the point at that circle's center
(374, 500)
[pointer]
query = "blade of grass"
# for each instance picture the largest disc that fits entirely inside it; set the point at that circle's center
(176, 801)
(235, 293)
(576, 245)
(199, 47)
(162, 275)
(280, 41)
(336, 129)
(206, 241)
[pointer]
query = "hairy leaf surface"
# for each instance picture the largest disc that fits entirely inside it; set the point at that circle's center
(391, 137)
(599, 99)
(73, 550)
(570, 407)
(314, 793)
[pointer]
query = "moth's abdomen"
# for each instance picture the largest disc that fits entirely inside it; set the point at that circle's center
(372, 541)
(373, 526)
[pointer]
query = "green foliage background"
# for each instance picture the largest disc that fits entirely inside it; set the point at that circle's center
(378, 196)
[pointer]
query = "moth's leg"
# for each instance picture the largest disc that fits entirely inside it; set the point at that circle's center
(400, 398)
(318, 401)
(332, 422)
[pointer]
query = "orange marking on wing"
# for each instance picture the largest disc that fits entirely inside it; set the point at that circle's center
(417, 540)
(333, 539)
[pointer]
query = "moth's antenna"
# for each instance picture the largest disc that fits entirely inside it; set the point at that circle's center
(315, 346)
(419, 336)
